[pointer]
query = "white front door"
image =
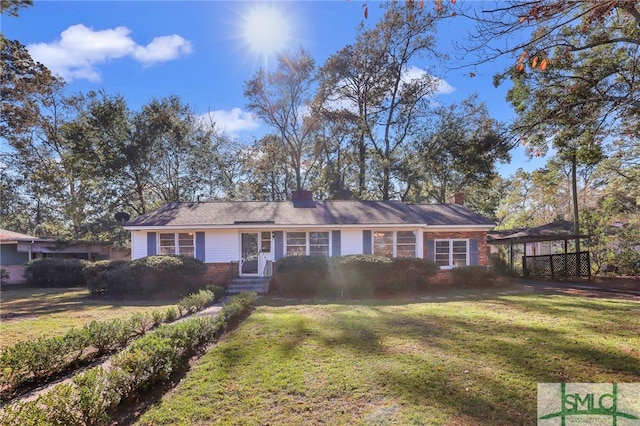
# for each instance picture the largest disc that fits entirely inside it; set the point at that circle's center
(256, 255)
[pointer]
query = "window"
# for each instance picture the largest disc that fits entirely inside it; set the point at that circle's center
(296, 243)
(318, 243)
(383, 243)
(398, 244)
(177, 243)
(451, 253)
(406, 244)
(265, 242)
(311, 243)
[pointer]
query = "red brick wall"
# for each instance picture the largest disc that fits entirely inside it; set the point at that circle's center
(481, 236)
(220, 273)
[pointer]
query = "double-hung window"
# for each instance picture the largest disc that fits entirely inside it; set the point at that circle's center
(394, 243)
(177, 243)
(307, 243)
(452, 253)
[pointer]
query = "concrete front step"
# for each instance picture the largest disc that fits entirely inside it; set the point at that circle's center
(238, 285)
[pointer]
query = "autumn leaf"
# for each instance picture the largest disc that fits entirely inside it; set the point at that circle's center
(421, 4)
(544, 64)
(535, 62)
(453, 14)
(366, 11)
(472, 74)
(520, 67)
(453, 1)
(522, 19)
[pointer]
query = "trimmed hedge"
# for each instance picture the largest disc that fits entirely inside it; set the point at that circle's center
(155, 276)
(299, 275)
(351, 275)
(94, 395)
(473, 276)
(55, 272)
(36, 361)
(96, 277)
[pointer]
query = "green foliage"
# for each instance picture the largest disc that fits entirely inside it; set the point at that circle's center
(95, 274)
(408, 274)
(196, 301)
(97, 392)
(171, 314)
(55, 272)
(218, 291)
(473, 276)
(351, 275)
(299, 275)
(158, 276)
(358, 275)
(498, 264)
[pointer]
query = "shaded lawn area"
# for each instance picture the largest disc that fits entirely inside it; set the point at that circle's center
(471, 362)
(27, 314)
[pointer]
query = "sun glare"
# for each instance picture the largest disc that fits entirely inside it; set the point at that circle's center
(266, 31)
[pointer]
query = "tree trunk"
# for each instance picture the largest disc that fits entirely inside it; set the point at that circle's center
(574, 190)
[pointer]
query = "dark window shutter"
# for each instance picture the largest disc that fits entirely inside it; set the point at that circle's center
(335, 243)
(431, 250)
(473, 251)
(279, 245)
(366, 242)
(200, 246)
(151, 244)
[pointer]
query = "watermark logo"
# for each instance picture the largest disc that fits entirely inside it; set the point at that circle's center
(567, 404)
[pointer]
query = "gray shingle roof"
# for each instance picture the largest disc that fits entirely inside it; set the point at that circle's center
(220, 213)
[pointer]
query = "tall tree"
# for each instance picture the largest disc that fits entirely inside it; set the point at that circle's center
(282, 99)
(458, 152)
(374, 82)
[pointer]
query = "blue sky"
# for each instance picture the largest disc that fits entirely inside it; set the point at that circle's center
(204, 51)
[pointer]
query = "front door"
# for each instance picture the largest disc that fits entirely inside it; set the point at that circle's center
(250, 243)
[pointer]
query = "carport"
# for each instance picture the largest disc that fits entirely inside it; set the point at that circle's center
(553, 265)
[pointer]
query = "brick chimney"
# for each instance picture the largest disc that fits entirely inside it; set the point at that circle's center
(457, 198)
(301, 195)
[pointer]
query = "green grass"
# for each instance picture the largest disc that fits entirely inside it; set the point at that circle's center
(382, 363)
(45, 312)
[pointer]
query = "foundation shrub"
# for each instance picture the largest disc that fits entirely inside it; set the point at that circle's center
(157, 276)
(358, 275)
(96, 276)
(473, 276)
(55, 272)
(300, 275)
(408, 274)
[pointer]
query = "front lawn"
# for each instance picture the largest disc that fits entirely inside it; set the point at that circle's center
(455, 363)
(27, 314)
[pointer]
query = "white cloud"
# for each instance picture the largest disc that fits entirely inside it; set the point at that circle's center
(81, 49)
(415, 73)
(233, 121)
(162, 49)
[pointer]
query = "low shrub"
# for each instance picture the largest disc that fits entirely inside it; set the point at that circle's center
(55, 272)
(299, 275)
(499, 265)
(473, 276)
(196, 301)
(96, 276)
(157, 276)
(408, 274)
(95, 394)
(218, 291)
(358, 275)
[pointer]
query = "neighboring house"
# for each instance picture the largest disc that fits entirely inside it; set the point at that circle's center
(245, 238)
(16, 249)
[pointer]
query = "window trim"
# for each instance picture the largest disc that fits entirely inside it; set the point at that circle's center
(450, 241)
(307, 241)
(395, 240)
(176, 243)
